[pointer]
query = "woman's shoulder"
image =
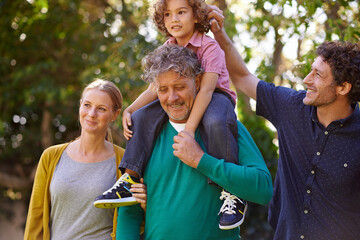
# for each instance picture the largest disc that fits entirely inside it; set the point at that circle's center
(52, 154)
(56, 148)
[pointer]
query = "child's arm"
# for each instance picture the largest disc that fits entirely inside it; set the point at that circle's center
(146, 97)
(202, 100)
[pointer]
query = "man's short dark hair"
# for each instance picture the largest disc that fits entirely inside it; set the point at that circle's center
(344, 61)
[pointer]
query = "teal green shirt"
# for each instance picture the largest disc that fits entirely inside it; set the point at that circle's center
(181, 204)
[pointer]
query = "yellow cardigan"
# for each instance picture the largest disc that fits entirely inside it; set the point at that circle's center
(37, 222)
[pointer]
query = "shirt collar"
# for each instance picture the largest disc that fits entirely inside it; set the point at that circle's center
(178, 126)
(194, 41)
(355, 114)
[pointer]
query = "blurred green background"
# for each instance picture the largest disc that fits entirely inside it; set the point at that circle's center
(49, 50)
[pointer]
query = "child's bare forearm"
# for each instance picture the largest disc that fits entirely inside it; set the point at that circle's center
(201, 103)
(145, 98)
(202, 100)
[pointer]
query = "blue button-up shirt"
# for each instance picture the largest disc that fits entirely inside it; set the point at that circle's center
(317, 184)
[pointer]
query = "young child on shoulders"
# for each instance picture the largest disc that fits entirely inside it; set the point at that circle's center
(185, 23)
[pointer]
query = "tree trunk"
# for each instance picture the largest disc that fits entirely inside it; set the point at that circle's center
(277, 56)
(46, 135)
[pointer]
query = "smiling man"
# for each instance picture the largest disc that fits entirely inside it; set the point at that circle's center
(176, 95)
(180, 202)
(317, 187)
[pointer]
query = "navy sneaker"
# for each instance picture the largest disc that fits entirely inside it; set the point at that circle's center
(232, 212)
(119, 195)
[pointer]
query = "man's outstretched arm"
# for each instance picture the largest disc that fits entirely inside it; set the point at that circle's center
(239, 74)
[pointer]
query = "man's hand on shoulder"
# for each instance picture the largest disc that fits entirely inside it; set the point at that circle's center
(187, 149)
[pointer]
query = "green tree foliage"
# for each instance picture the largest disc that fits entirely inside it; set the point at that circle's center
(50, 49)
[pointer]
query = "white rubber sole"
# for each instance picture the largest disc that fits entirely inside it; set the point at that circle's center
(235, 224)
(114, 203)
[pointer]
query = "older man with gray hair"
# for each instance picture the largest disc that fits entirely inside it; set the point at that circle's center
(181, 204)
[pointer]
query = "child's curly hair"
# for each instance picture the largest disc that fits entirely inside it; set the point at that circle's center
(200, 13)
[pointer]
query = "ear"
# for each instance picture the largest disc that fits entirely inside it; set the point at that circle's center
(116, 114)
(344, 88)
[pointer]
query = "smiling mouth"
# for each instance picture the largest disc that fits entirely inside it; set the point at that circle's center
(90, 122)
(176, 27)
(175, 105)
(310, 91)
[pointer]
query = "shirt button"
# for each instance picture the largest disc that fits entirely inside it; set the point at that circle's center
(326, 132)
(318, 153)
(306, 211)
(312, 172)
(345, 165)
(308, 191)
(302, 236)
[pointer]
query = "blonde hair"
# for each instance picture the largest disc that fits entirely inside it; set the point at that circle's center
(112, 91)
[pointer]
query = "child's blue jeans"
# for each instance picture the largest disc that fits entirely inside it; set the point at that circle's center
(218, 130)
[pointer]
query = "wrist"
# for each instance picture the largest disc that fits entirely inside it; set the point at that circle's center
(128, 110)
(189, 131)
(220, 33)
(199, 155)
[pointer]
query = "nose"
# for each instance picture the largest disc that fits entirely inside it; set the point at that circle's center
(308, 78)
(173, 96)
(175, 18)
(92, 112)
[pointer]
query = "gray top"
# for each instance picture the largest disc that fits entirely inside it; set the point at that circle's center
(73, 189)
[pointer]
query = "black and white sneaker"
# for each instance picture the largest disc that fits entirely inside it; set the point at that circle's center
(232, 212)
(119, 195)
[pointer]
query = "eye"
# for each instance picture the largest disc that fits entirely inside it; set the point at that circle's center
(86, 105)
(162, 90)
(181, 12)
(166, 14)
(179, 88)
(102, 109)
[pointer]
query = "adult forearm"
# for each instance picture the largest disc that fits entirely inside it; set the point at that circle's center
(234, 61)
(248, 182)
(238, 71)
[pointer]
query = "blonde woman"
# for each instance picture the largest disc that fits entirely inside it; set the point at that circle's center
(69, 176)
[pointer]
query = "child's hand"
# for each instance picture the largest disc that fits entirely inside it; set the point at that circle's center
(126, 121)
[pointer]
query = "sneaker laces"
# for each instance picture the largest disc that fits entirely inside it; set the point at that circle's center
(229, 203)
(117, 184)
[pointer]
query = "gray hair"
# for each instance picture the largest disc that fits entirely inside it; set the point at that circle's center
(171, 57)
